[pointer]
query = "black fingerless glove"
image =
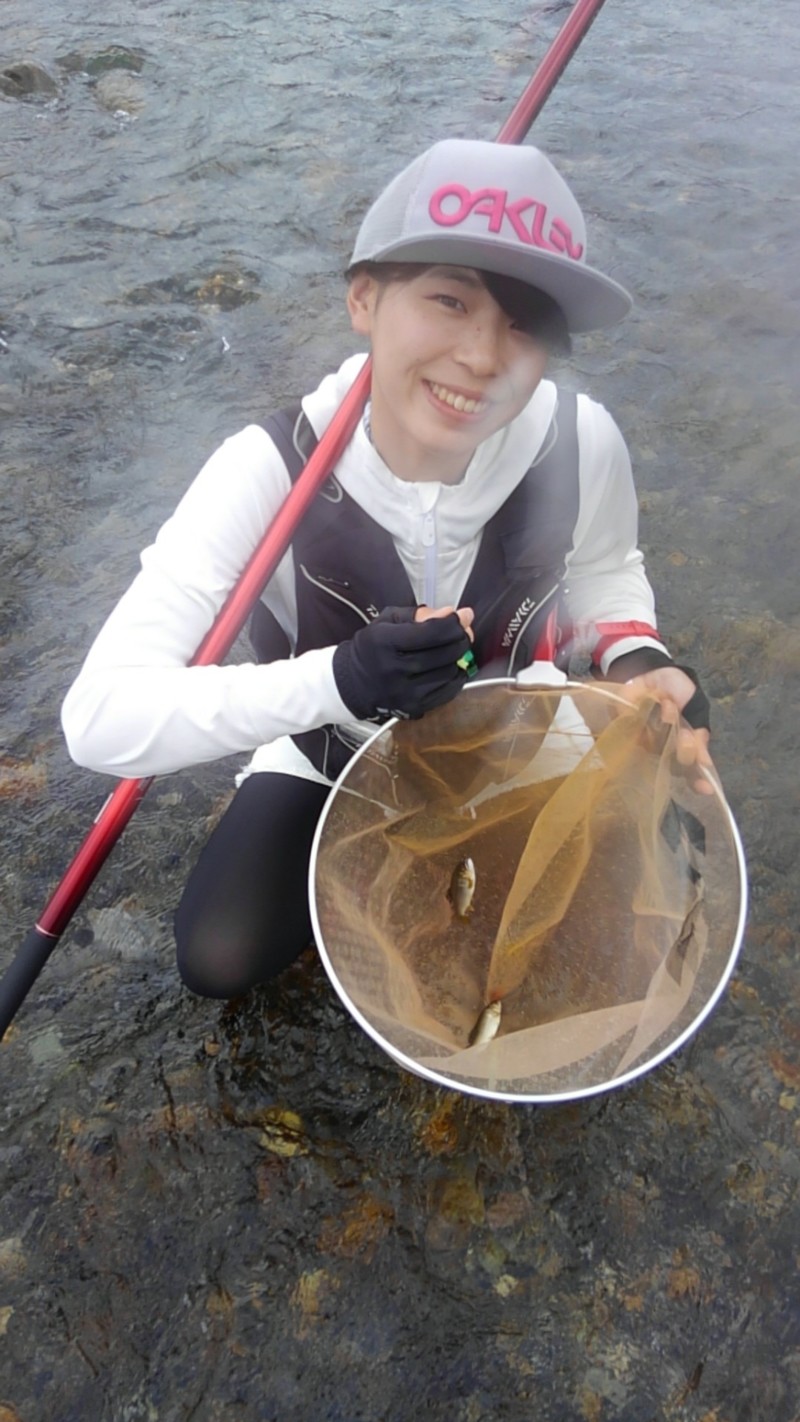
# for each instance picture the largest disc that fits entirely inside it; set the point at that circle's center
(399, 667)
(697, 710)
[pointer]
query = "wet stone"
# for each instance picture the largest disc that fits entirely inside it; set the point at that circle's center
(509, 1210)
(27, 80)
(13, 1260)
(115, 57)
(311, 1298)
(226, 287)
(111, 1079)
(458, 1201)
(46, 1047)
(281, 1131)
(22, 779)
(95, 1138)
(358, 1231)
(119, 931)
(120, 93)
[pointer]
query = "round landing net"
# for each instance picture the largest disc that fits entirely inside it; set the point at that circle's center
(608, 904)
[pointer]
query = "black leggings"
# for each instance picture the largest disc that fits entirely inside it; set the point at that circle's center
(244, 913)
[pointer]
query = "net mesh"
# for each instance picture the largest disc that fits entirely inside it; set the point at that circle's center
(606, 895)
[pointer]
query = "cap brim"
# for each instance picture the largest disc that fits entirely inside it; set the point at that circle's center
(588, 299)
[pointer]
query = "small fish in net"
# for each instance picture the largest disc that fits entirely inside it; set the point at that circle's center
(487, 1025)
(462, 888)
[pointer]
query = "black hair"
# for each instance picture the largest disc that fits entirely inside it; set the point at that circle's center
(533, 310)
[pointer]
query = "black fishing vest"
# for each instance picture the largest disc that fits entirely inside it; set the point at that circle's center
(347, 568)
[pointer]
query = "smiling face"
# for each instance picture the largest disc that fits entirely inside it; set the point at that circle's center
(449, 368)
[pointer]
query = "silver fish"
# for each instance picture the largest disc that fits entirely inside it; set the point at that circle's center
(487, 1024)
(462, 888)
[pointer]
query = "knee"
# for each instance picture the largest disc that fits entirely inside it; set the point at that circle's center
(210, 966)
(202, 983)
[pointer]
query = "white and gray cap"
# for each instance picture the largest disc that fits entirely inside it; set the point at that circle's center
(499, 208)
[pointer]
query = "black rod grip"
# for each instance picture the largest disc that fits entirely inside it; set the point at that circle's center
(22, 973)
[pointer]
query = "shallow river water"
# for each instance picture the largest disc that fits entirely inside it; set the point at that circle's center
(247, 1211)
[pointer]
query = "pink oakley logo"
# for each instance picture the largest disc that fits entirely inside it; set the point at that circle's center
(494, 204)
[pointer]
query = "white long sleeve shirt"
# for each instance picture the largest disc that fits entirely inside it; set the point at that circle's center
(137, 709)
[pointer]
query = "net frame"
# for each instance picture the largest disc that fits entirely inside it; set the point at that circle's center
(438, 1075)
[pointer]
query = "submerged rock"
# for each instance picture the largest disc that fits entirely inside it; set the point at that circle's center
(114, 57)
(225, 287)
(22, 779)
(13, 1260)
(26, 80)
(120, 93)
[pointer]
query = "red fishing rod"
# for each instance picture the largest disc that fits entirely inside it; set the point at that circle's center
(119, 808)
